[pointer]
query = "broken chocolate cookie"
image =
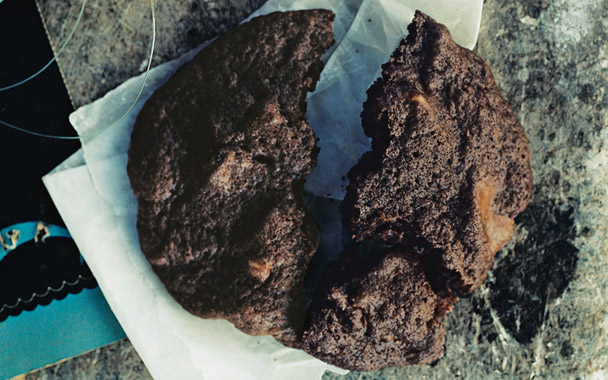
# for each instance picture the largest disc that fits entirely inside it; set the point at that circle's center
(375, 313)
(217, 162)
(449, 164)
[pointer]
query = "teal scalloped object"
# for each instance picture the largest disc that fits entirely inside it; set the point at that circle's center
(63, 328)
(13, 236)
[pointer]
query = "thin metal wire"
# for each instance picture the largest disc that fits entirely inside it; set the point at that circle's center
(65, 43)
(98, 131)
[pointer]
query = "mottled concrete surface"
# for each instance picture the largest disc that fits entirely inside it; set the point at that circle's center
(543, 311)
(113, 362)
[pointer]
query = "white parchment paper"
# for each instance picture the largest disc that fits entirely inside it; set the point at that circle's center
(91, 191)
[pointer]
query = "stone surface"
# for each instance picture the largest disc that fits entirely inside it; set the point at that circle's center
(550, 59)
(115, 361)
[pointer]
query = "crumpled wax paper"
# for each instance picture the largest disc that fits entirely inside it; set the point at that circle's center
(91, 191)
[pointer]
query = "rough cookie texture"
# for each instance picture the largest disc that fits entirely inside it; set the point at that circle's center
(217, 161)
(368, 315)
(449, 163)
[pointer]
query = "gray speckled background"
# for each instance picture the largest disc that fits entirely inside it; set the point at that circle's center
(543, 311)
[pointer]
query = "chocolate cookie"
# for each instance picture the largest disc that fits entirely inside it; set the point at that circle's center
(449, 164)
(368, 315)
(217, 163)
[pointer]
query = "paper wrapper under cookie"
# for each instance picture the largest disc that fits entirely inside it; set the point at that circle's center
(92, 192)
